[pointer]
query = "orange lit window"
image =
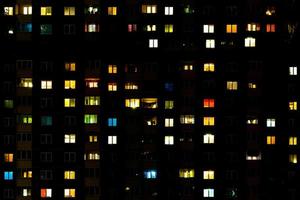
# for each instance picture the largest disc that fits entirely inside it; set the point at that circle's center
(271, 140)
(231, 28)
(270, 28)
(8, 157)
(112, 86)
(112, 69)
(208, 103)
(70, 66)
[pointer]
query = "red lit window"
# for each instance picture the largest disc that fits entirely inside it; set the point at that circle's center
(270, 28)
(208, 103)
(132, 28)
(46, 192)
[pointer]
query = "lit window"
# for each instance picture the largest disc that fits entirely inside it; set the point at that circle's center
(92, 156)
(26, 192)
(231, 28)
(293, 141)
(92, 10)
(270, 28)
(208, 138)
(153, 43)
(150, 27)
(27, 174)
(70, 84)
(70, 102)
(46, 85)
(293, 71)
(151, 121)
(293, 158)
(46, 11)
(70, 193)
(27, 10)
(208, 28)
(232, 85)
(46, 193)
(93, 138)
(208, 121)
(112, 122)
(169, 140)
(188, 9)
(91, 28)
(90, 119)
(132, 27)
(208, 103)
(70, 66)
(169, 104)
(132, 103)
(131, 86)
(253, 27)
(293, 105)
(186, 173)
(149, 9)
(169, 11)
(250, 42)
(271, 122)
(26, 119)
(271, 140)
(112, 10)
(150, 174)
(187, 119)
(168, 28)
(112, 69)
(91, 100)
(70, 138)
(209, 175)
(26, 82)
(252, 85)
(210, 43)
(69, 11)
(8, 157)
(46, 120)
(169, 122)
(270, 11)
(209, 67)
(69, 175)
(149, 103)
(46, 29)
(252, 121)
(112, 139)
(8, 175)
(112, 86)
(91, 82)
(8, 103)
(188, 67)
(208, 192)
(9, 11)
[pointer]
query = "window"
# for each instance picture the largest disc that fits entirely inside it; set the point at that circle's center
(70, 66)
(27, 10)
(253, 157)
(153, 43)
(232, 85)
(149, 103)
(293, 105)
(26, 192)
(252, 85)
(70, 84)
(209, 67)
(231, 28)
(186, 173)
(292, 141)
(69, 102)
(293, 158)
(8, 157)
(91, 28)
(132, 27)
(90, 119)
(69, 29)
(92, 82)
(169, 10)
(69, 11)
(46, 11)
(46, 193)
(92, 156)
(208, 121)
(27, 174)
(169, 122)
(150, 174)
(112, 86)
(210, 43)
(271, 140)
(250, 42)
(169, 86)
(293, 71)
(8, 103)
(112, 69)
(209, 175)
(46, 120)
(168, 28)
(188, 67)
(46, 85)
(252, 121)
(253, 27)
(112, 10)
(270, 28)
(131, 86)
(271, 122)
(208, 28)
(25, 119)
(169, 140)
(93, 138)
(25, 27)
(149, 9)
(46, 29)
(8, 175)
(112, 139)
(112, 122)
(187, 119)
(9, 11)
(208, 103)
(26, 83)
(132, 103)
(91, 100)
(150, 28)
(69, 175)
(70, 138)
(92, 10)
(208, 138)
(208, 192)
(169, 104)
(70, 193)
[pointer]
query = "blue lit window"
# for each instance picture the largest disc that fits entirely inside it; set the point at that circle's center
(46, 121)
(26, 27)
(150, 174)
(169, 86)
(112, 122)
(8, 175)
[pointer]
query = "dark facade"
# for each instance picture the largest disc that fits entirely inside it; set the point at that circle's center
(144, 100)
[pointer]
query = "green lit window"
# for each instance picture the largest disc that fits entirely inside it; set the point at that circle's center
(169, 104)
(8, 103)
(90, 119)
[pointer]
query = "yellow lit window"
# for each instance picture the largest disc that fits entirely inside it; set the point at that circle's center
(271, 140)
(253, 27)
(209, 67)
(208, 121)
(270, 28)
(132, 103)
(293, 158)
(69, 11)
(252, 85)
(169, 122)
(46, 11)
(9, 11)
(26, 119)
(27, 174)
(131, 86)
(187, 119)
(112, 86)
(186, 173)
(293, 105)
(188, 67)
(112, 10)
(231, 28)
(292, 141)
(168, 28)
(70, 175)
(150, 27)
(93, 138)
(232, 85)
(270, 11)
(149, 103)
(27, 10)
(70, 138)
(70, 84)
(91, 100)
(149, 9)
(169, 104)
(70, 193)
(208, 103)
(112, 69)
(70, 66)
(252, 121)
(70, 102)
(250, 42)
(46, 85)
(92, 82)
(92, 156)
(26, 82)
(8, 157)
(209, 175)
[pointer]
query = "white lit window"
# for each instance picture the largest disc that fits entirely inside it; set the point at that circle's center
(70, 193)
(293, 71)
(168, 10)
(112, 139)
(210, 43)
(150, 28)
(208, 28)
(187, 119)
(208, 175)
(46, 85)
(27, 10)
(208, 138)
(26, 193)
(92, 28)
(169, 140)
(153, 43)
(250, 42)
(253, 157)
(209, 192)
(70, 138)
(169, 122)
(271, 122)
(9, 11)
